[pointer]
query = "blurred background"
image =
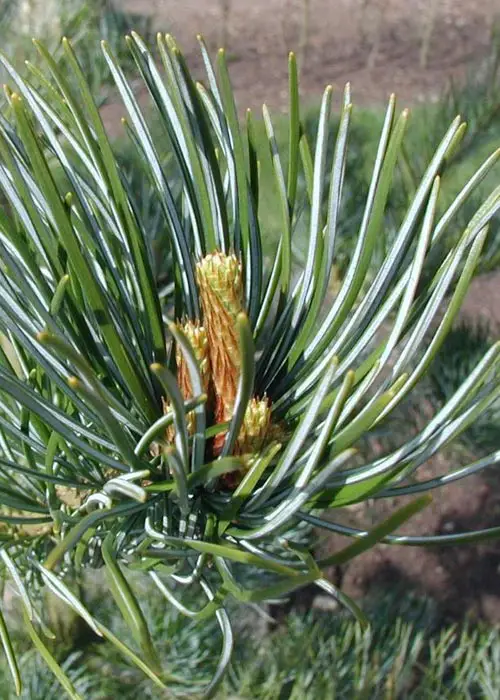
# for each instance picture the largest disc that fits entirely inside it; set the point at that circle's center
(436, 612)
(381, 46)
(412, 48)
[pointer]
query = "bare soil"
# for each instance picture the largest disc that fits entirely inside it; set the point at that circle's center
(374, 44)
(377, 46)
(465, 580)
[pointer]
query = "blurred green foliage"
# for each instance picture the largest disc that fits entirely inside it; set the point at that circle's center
(85, 23)
(405, 654)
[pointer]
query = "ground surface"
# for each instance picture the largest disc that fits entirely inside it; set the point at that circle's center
(377, 45)
(374, 44)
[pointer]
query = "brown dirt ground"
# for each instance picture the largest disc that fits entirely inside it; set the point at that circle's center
(464, 580)
(376, 45)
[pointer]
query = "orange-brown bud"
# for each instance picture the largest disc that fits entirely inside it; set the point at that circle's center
(197, 336)
(254, 433)
(220, 283)
(255, 428)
